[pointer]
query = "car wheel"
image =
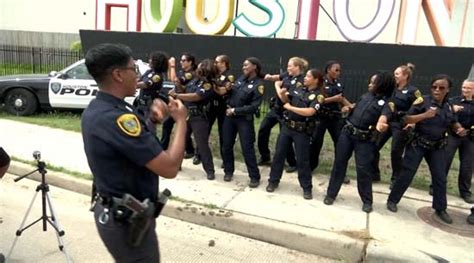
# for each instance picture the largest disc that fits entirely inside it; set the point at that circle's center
(20, 102)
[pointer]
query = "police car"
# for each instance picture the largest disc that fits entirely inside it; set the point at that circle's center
(70, 88)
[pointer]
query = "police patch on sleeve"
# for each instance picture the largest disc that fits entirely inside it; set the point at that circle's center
(418, 101)
(320, 98)
(156, 78)
(391, 105)
(188, 76)
(231, 78)
(261, 89)
(129, 124)
(207, 86)
(417, 93)
(311, 97)
(299, 84)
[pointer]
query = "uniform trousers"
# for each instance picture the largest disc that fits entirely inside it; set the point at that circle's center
(364, 151)
(217, 112)
(436, 159)
(200, 127)
(466, 158)
(301, 140)
(271, 119)
(115, 235)
(333, 126)
(243, 125)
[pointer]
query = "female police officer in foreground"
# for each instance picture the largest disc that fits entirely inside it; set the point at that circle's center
(196, 98)
(244, 99)
(301, 105)
(433, 117)
(364, 122)
(123, 155)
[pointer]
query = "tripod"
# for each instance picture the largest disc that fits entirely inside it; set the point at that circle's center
(46, 201)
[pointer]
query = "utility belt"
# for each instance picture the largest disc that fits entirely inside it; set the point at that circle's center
(276, 105)
(430, 144)
(197, 111)
(128, 210)
(400, 115)
(300, 126)
(359, 133)
(328, 114)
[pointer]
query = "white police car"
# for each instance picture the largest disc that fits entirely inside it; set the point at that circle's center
(70, 88)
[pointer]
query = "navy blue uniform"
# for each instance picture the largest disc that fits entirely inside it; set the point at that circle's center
(197, 120)
(184, 78)
(245, 97)
(297, 129)
(275, 116)
(154, 84)
(429, 143)
(403, 99)
(118, 145)
(465, 145)
(218, 105)
(358, 136)
(329, 118)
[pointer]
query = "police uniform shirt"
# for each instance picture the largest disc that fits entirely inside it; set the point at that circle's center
(433, 128)
(223, 80)
(405, 97)
(154, 83)
(303, 98)
(118, 146)
(289, 83)
(246, 95)
(465, 116)
(368, 110)
(202, 88)
(332, 89)
(184, 77)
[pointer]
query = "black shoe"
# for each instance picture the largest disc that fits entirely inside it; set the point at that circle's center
(431, 190)
(392, 206)
(367, 207)
(254, 183)
(188, 155)
(328, 200)
(222, 165)
(228, 177)
(307, 194)
(347, 180)
(470, 218)
(211, 176)
(444, 216)
(196, 160)
(264, 162)
(2, 258)
(271, 187)
(468, 199)
(291, 169)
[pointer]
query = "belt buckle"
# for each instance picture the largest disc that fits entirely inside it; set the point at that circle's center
(292, 124)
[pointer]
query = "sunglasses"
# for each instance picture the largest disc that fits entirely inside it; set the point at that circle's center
(134, 68)
(183, 60)
(434, 87)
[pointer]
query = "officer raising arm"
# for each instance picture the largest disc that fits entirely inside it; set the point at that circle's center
(124, 155)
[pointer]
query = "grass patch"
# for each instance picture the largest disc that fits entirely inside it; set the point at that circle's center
(52, 167)
(65, 120)
(13, 69)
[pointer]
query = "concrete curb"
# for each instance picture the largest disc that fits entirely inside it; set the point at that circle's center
(305, 239)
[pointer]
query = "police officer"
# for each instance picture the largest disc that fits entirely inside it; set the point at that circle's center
(329, 115)
(403, 97)
(218, 104)
(301, 105)
(124, 156)
(244, 100)
(183, 78)
(463, 106)
(366, 119)
(196, 98)
(151, 83)
(433, 116)
(292, 78)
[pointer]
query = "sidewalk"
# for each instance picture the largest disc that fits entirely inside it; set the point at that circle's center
(341, 231)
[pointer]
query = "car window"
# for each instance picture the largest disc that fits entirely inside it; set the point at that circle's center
(79, 72)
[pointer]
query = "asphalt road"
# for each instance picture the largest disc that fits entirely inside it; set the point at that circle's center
(179, 241)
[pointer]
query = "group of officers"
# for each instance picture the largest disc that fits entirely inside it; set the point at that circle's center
(124, 151)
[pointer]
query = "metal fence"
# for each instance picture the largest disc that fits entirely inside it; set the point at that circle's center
(31, 60)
